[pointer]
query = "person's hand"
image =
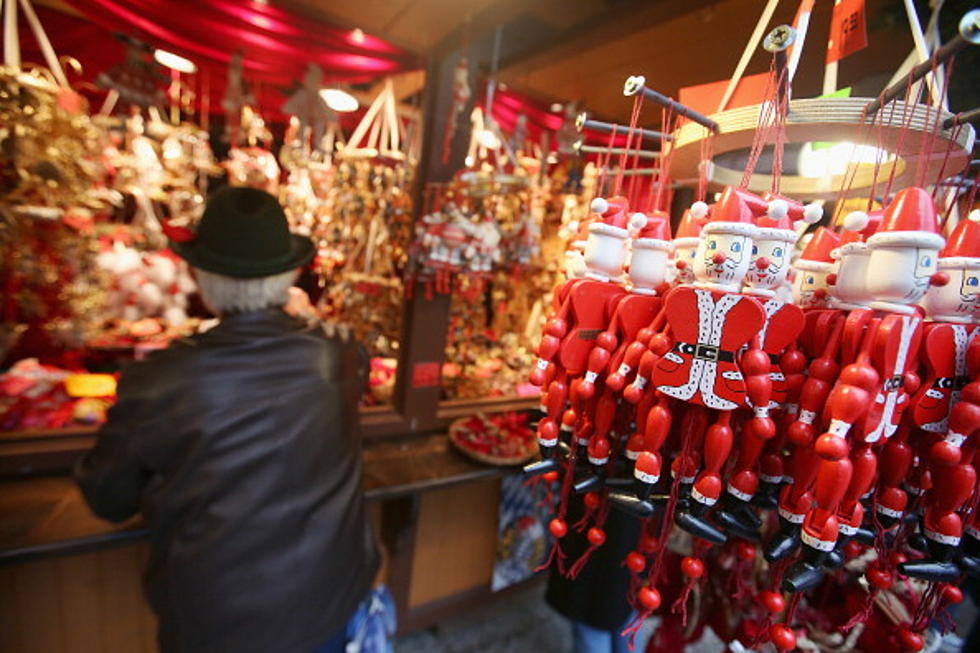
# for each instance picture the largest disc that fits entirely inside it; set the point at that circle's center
(299, 304)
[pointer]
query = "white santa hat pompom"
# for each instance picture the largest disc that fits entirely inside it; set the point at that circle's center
(812, 213)
(699, 209)
(855, 221)
(974, 215)
(777, 209)
(638, 221)
(599, 205)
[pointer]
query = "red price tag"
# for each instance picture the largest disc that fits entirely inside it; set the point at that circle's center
(425, 375)
(848, 30)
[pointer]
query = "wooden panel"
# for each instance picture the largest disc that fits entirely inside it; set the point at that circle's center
(455, 542)
(89, 603)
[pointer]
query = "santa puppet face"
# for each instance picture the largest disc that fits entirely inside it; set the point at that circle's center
(723, 259)
(852, 274)
(683, 263)
(574, 264)
(648, 266)
(900, 275)
(958, 298)
(810, 288)
(605, 254)
(769, 264)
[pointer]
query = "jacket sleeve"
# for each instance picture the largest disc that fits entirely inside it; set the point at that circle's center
(112, 475)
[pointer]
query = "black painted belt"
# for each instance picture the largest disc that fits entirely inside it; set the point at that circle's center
(705, 352)
(893, 383)
(953, 382)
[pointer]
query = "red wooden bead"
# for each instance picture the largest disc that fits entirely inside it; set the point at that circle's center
(909, 640)
(782, 637)
(591, 500)
(649, 598)
(853, 549)
(692, 567)
(550, 477)
(558, 528)
(772, 601)
(745, 551)
(649, 544)
(597, 537)
(880, 578)
(831, 447)
(952, 594)
(636, 561)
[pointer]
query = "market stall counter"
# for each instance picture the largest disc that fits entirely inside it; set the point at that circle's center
(420, 495)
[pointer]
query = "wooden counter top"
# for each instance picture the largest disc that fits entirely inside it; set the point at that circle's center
(46, 515)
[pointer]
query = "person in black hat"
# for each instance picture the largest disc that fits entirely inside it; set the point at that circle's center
(240, 448)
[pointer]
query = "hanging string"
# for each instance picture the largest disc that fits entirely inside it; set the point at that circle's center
(880, 156)
(634, 117)
(766, 111)
(779, 128)
(903, 132)
(664, 195)
(602, 160)
(707, 154)
(928, 141)
(953, 138)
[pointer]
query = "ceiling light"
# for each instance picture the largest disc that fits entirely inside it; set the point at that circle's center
(357, 35)
(174, 61)
(834, 159)
(556, 107)
(489, 140)
(338, 100)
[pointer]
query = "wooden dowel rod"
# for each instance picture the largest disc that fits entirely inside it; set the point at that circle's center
(637, 84)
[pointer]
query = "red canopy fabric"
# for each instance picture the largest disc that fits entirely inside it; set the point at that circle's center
(276, 44)
(249, 26)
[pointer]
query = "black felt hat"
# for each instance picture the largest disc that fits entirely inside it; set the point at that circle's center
(244, 233)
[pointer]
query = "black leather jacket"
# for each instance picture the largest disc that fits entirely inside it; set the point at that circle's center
(240, 447)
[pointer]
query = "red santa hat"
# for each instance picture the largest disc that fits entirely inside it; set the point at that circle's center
(689, 228)
(816, 255)
(963, 247)
(613, 217)
(781, 212)
(654, 231)
(858, 227)
(909, 221)
(735, 213)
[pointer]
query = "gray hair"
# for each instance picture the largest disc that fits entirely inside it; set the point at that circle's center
(225, 295)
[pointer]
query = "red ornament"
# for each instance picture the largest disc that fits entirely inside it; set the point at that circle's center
(782, 637)
(649, 598)
(636, 562)
(772, 601)
(596, 536)
(558, 528)
(692, 567)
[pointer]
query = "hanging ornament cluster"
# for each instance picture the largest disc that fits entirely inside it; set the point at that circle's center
(813, 440)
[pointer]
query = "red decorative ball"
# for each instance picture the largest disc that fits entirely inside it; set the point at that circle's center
(591, 500)
(772, 601)
(597, 537)
(692, 567)
(745, 551)
(649, 544)
(853, 549)
(649, 598)
(945, 454)
(831, 447)
(558, 528)
(909, 640)
(952, 594)
(550, 477)
(782, 637)
(636, 562)
(880, 578)
(897, 558)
